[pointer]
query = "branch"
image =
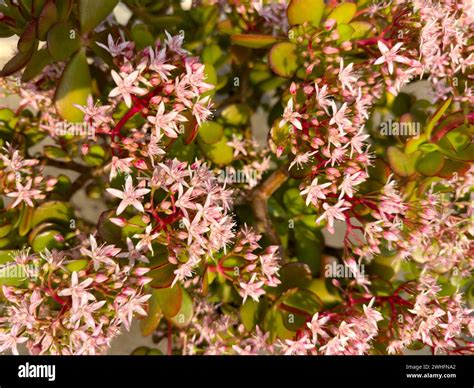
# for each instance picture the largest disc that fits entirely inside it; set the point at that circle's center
(259, 201)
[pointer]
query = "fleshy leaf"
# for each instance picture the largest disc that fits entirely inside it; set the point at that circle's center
(343, 13)
(74, 88)
(254, 40)
(300, 11)
(283, 59)
(93, 12)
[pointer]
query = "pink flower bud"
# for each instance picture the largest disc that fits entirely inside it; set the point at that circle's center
(293, 88)
(329, 24)
(140, 164)
(140, 271)
(279, 151)
(168, 88)
(119, 221)
(85, 149)
(330, 50)
(100, 278)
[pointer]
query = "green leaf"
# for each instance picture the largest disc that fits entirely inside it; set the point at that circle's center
(300, 11)
(295, 203)
(297, 306)
(63, 41)
(185, 313)
(211, 78)
(74, 88)
(142, 36)
(400, 163)
(295, 275)
(93, 12)
(211, 54)
(451, 166)
(170, 300)
(430, 164)
(251, 314)
(319, 287)
(57, 211)
(77, 265)
(283, 59)
(361, 29)
(17, 62)
(56, 153)
(27, 39)
(219, 153)
(343, 13)
(135, 225)
(436, 116)
(38, 62)
(48, 16)
(5, 229)
(64, 8)
(309, 244)
(50, 239)
(149, 324)
(210, 132)
(428, 147)
(345, 32)
(459, 139)
(401, 104)
(253, 40)
(236, 114)
(26, 220)
(96, 156)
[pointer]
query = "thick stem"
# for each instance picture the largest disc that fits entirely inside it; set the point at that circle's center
(259, 201)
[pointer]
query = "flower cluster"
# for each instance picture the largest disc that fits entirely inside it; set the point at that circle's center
(71, 305)
(446, 45)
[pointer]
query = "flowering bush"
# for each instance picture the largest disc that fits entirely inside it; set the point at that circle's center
(272, 179)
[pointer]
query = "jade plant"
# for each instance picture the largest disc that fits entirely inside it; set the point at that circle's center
(275, 177)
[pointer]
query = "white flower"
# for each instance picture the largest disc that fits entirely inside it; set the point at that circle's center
(290, 116)
(390, 56)
(24, 194)
(315, 191)
(129, 196)
(126, 87)
(166, 121)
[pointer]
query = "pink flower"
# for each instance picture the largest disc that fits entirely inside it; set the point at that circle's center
(302, 159)
(78, 291)
(290, 116)
(126, 86)
(146, 239)
(129, 196)
(335, 212)
(24, 194)
(11, 340)
(158, 64)
(390, 56)
(92, 112)
(118, 165)
(347, 76)
(339, 117)
(166, 121)
(238, 145)
(316, 327)
(251, 289)
(315, 191)
(175, 43)
(116, 48)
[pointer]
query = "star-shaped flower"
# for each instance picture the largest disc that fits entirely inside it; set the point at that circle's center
(130, 196)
